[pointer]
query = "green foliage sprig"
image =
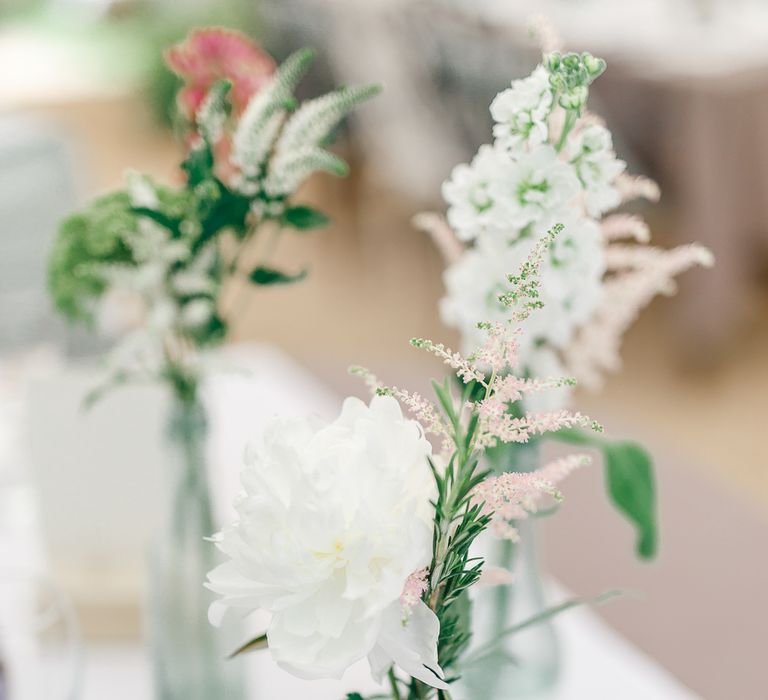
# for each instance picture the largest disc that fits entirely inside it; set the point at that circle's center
(167, 244)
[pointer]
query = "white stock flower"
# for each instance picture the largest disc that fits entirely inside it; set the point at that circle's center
(521, 111)
(571, 285)
(472, 208)
(333, 519)
(545, 363)
(591, 152)
(537, 183)
(120, 310)
(197, 312)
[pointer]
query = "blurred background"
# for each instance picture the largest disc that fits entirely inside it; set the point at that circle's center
(84, 96)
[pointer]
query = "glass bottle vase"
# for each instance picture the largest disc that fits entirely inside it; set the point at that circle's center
(189, 655)
(525, 664)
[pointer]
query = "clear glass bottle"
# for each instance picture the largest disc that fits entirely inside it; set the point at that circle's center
(525, 664)
(190, 656)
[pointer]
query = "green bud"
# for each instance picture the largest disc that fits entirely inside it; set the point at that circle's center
(552, 61)
(594, 65)
(571, 75)
(575, 99)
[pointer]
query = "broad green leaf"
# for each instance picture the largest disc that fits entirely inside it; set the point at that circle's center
(305, 218)
(254, 644)
(267, 276)
(629, 481)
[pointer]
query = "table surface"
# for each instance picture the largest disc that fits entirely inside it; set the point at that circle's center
(597, 662)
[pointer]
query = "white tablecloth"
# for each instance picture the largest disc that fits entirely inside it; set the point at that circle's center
(597, 665)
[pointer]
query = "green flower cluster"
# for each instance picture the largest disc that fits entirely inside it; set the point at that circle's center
(571, 75)
(88, 241)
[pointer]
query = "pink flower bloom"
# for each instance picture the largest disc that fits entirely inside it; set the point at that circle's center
(208, 55)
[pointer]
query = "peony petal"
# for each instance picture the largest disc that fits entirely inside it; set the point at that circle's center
(217, 611)
(410, 644)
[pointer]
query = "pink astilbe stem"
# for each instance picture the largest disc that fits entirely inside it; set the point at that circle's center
(618, 226)
(415, 587)
(442, 235)
(632, 187)
(523, 296)
(465, 370)
(651, 272)
(422, 409)
(371, 380)
(425, 412)
(513, 495)
(498, 425)
(499, 351)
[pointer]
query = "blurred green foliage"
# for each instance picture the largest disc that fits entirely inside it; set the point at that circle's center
(124, 40)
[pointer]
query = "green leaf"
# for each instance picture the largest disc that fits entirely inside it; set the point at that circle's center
(199, 164)
(305, 218)
(630, 483)
(268, 275)
(99, 392)
(213, 112)
(230, 210)
(256, 643)
(158, 217)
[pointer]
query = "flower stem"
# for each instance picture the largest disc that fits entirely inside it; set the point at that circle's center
(570, 122)
(393, 684)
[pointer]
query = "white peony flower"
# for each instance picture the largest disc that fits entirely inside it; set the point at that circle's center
(591, 152)
(472, 208)
(537, 183)
(571, 285)
(521, 111)
(333, 519)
